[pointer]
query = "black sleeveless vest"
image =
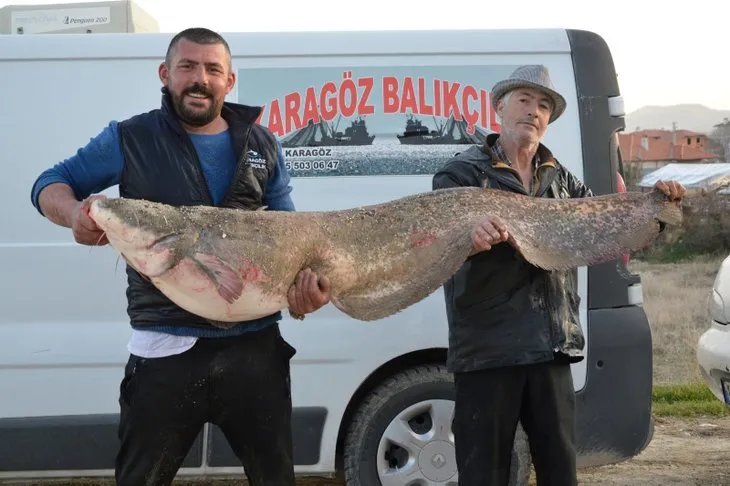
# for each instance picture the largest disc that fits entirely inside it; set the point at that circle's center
(161, 164)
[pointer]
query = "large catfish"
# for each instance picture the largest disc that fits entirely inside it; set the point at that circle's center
(231, 265)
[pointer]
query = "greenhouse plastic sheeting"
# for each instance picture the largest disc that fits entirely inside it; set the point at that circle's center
(689, 175)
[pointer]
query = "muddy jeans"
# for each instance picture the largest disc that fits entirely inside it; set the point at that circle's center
(489, 405)
(239, 383)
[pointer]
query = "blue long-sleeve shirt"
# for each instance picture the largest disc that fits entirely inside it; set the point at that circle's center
(98, 166)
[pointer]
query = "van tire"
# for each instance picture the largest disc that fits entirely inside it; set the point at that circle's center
(391, 398)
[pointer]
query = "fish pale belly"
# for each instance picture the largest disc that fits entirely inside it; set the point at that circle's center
(190, 288)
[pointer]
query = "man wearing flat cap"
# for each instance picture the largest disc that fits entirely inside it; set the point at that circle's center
(514, 329)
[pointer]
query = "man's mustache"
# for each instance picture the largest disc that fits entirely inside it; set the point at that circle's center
(198, 89)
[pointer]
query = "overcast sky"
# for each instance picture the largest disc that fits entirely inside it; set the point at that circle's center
(664, 54)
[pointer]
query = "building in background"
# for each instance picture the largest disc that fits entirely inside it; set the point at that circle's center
(76, 18)
(648, 150)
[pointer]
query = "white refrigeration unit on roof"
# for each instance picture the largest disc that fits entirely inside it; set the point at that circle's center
(76, 18)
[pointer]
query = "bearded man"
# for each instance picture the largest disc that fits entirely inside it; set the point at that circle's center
(184, 371)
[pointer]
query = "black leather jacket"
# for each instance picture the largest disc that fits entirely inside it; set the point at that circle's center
(502, 310)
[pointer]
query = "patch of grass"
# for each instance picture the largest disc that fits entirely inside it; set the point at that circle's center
(686, 400)
(677, 250)
(681, 252)
(677, 253)
(690, 392)
(712, 408)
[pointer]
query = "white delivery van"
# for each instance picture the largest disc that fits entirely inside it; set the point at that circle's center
(364, 117)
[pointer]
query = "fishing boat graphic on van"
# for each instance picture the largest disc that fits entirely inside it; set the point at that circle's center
(322, 134)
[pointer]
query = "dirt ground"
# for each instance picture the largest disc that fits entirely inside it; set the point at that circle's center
(683, 451)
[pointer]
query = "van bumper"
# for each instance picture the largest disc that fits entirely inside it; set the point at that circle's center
(613, 410)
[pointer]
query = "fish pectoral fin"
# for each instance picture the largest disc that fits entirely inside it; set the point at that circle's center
(228, 283)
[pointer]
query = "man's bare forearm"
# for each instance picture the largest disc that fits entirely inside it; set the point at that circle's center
(57, 201)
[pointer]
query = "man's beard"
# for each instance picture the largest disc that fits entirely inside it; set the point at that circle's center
(192, 117)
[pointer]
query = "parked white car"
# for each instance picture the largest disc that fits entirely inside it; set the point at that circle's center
(713, 348)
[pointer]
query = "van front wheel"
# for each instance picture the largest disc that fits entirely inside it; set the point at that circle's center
(401, 434)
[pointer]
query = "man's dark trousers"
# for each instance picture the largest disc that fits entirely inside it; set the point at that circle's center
(489, 404)
(239, 383)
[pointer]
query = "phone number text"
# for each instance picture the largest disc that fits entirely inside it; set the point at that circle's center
(323, 165)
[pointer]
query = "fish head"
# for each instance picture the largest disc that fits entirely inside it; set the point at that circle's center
(151, 237)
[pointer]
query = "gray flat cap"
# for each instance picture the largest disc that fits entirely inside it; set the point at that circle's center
(532, 76)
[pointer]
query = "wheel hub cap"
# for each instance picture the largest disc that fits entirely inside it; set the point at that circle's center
(438, 461)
